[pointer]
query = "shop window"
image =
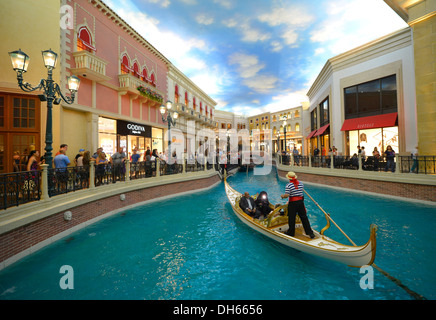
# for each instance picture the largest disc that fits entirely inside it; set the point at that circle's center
(389, 94)
(24, 113)
(371, 98)
(297, 127)
(324, 112)
(313, 121)
(368, 98)
(351, 102)
(84, 40)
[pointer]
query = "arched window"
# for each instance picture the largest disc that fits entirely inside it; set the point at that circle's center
(176, 94)
(186, 99)
(153, 80)
(193, 102)
(136, 72)
(144, 75)
(84, 40)
(125, 65)
(201, 107)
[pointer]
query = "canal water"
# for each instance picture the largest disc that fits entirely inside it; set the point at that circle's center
(194, 248)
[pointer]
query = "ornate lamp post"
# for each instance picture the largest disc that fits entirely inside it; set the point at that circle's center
(284, 131)
(52, 92)
(170, 117)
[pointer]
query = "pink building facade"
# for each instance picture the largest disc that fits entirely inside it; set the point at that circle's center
(112, 60)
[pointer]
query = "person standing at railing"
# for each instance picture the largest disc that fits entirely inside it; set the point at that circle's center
(415, 160)
(390, 159)
(100, 170)
(33, 162)
(117, 161)
(376, 156)
(61, 162)
(16, 161)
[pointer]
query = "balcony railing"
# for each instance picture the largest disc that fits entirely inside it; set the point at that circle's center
(90, 66)
(128, 84)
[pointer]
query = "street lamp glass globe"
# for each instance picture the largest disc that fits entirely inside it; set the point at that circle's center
(162, 109)
(20, 60)
(169, 105)
(175, 115)
(50, 57)
(73, 83)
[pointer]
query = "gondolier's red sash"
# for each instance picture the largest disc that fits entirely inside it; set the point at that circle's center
(292, 199)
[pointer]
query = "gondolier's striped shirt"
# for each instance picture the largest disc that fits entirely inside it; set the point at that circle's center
(292, 191)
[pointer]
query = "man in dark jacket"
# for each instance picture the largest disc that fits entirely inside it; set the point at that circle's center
(247, 204)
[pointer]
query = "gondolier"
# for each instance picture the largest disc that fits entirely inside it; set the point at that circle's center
(294, 191)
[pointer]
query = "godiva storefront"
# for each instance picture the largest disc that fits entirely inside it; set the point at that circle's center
(113, 134)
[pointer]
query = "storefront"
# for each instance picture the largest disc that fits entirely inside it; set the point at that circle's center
(372, 132)
(114, 134)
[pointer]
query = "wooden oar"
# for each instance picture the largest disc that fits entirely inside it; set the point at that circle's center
(412, 293)
(330, 218)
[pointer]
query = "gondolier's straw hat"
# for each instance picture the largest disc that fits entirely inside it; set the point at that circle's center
(291, 175)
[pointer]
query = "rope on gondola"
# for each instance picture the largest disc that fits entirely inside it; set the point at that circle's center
(412, 293)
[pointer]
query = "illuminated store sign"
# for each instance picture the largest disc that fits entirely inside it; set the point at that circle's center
(133, 129)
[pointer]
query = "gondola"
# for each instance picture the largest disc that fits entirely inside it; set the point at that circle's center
(276, 224)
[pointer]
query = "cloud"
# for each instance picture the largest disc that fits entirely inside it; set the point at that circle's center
(248, 32)
(290, 37)
(261, 83)
(162, 3)
(285, 101)
(290, 16)
(343, 28)
(212, 80)
(204, 19)
(173, 46)
(228, 4)
(248, 65)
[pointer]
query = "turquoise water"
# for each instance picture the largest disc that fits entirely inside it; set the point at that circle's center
(193, 247)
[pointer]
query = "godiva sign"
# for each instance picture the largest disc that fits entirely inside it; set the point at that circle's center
(126, 128)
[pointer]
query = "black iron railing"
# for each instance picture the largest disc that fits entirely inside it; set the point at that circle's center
(403, 164)
(19, 188)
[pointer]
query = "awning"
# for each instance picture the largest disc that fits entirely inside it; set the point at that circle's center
(380, 121)
(311, 134)
(321, 130)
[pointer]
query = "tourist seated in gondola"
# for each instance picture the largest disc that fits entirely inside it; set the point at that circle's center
(248, 205)
(263, 206)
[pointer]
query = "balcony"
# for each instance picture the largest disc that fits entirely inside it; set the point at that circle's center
(89, 66)
(128, 84)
